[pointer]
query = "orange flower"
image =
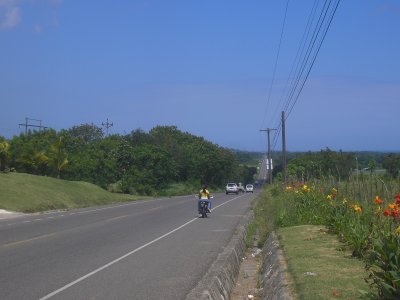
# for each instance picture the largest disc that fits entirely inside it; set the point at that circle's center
(378, 200)
(356, 208)
(395, 213)
(386, 213)
(397, 198)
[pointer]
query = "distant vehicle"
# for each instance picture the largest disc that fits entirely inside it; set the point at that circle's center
(241, 187)
(249, 188)
(232, 188)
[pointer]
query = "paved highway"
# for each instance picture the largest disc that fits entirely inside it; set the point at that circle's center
(153, 249)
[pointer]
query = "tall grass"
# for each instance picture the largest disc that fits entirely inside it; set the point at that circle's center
(363, 187)
(364, 212)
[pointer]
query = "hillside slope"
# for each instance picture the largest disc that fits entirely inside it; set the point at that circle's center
(22, 192)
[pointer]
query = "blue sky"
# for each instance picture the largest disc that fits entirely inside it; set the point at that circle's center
(206, 67)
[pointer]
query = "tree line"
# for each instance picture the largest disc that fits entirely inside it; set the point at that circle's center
(138, 163)
(338, 164)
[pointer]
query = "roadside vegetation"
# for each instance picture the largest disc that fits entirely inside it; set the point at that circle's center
(163, 161)
(27, 193)
(347, 215)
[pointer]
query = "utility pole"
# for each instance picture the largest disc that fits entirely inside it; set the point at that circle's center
(269, 162)
(284, 148)
(107, 125)
(26, 124)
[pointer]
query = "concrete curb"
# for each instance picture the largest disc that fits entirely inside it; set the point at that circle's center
(219, 281)
(274, 267)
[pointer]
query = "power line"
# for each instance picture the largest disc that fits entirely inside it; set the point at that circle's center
(276, 63)
(26, 124)
(310, 55)
(307, 55)
(300, 51)
(315, 57)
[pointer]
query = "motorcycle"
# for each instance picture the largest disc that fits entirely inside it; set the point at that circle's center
(203, 207)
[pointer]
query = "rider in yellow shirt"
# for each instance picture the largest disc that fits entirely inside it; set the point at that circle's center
(204, 194)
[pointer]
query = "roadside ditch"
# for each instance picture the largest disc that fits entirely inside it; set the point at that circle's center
(236, 272)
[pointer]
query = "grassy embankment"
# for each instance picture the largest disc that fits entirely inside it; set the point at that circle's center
(319, 266)
(26, 193)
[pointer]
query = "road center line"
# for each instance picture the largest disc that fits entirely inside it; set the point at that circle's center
(48, 296)
(29, 240)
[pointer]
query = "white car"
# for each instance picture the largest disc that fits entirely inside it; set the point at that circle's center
(232, 188)
(249, 188)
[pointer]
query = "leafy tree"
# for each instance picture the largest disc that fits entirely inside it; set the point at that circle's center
(57, 157)
(79, 137)
(320, 164)
(28, 151)
(141, 162)
(391, 163)
(95, 162)
(4, 154)
(372, 166)
(138, 137)
(152, 169)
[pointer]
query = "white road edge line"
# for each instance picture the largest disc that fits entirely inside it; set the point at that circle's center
(124, 256)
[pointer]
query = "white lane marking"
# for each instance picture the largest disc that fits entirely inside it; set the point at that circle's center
(113, 262)
(225, 202)
(135, 202)
(48, 296)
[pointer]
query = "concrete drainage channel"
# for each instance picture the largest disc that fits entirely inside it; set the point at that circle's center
(219, 281)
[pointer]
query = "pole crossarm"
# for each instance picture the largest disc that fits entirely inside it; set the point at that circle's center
(107, 125)
(26, 124)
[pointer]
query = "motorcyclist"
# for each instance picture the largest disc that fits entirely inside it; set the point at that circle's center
(204, 194)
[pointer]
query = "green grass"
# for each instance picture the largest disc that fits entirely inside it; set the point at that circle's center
(22, 192)
(309, 248)
(179, 189)
(186, 188)
(266, 211)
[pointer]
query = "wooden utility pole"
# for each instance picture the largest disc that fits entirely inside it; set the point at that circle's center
(284, 149)
(269, 162)
(107, 125)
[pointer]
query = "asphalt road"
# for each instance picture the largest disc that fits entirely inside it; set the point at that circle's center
(154, 249)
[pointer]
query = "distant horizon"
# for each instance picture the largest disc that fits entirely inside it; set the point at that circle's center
(233, 149)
